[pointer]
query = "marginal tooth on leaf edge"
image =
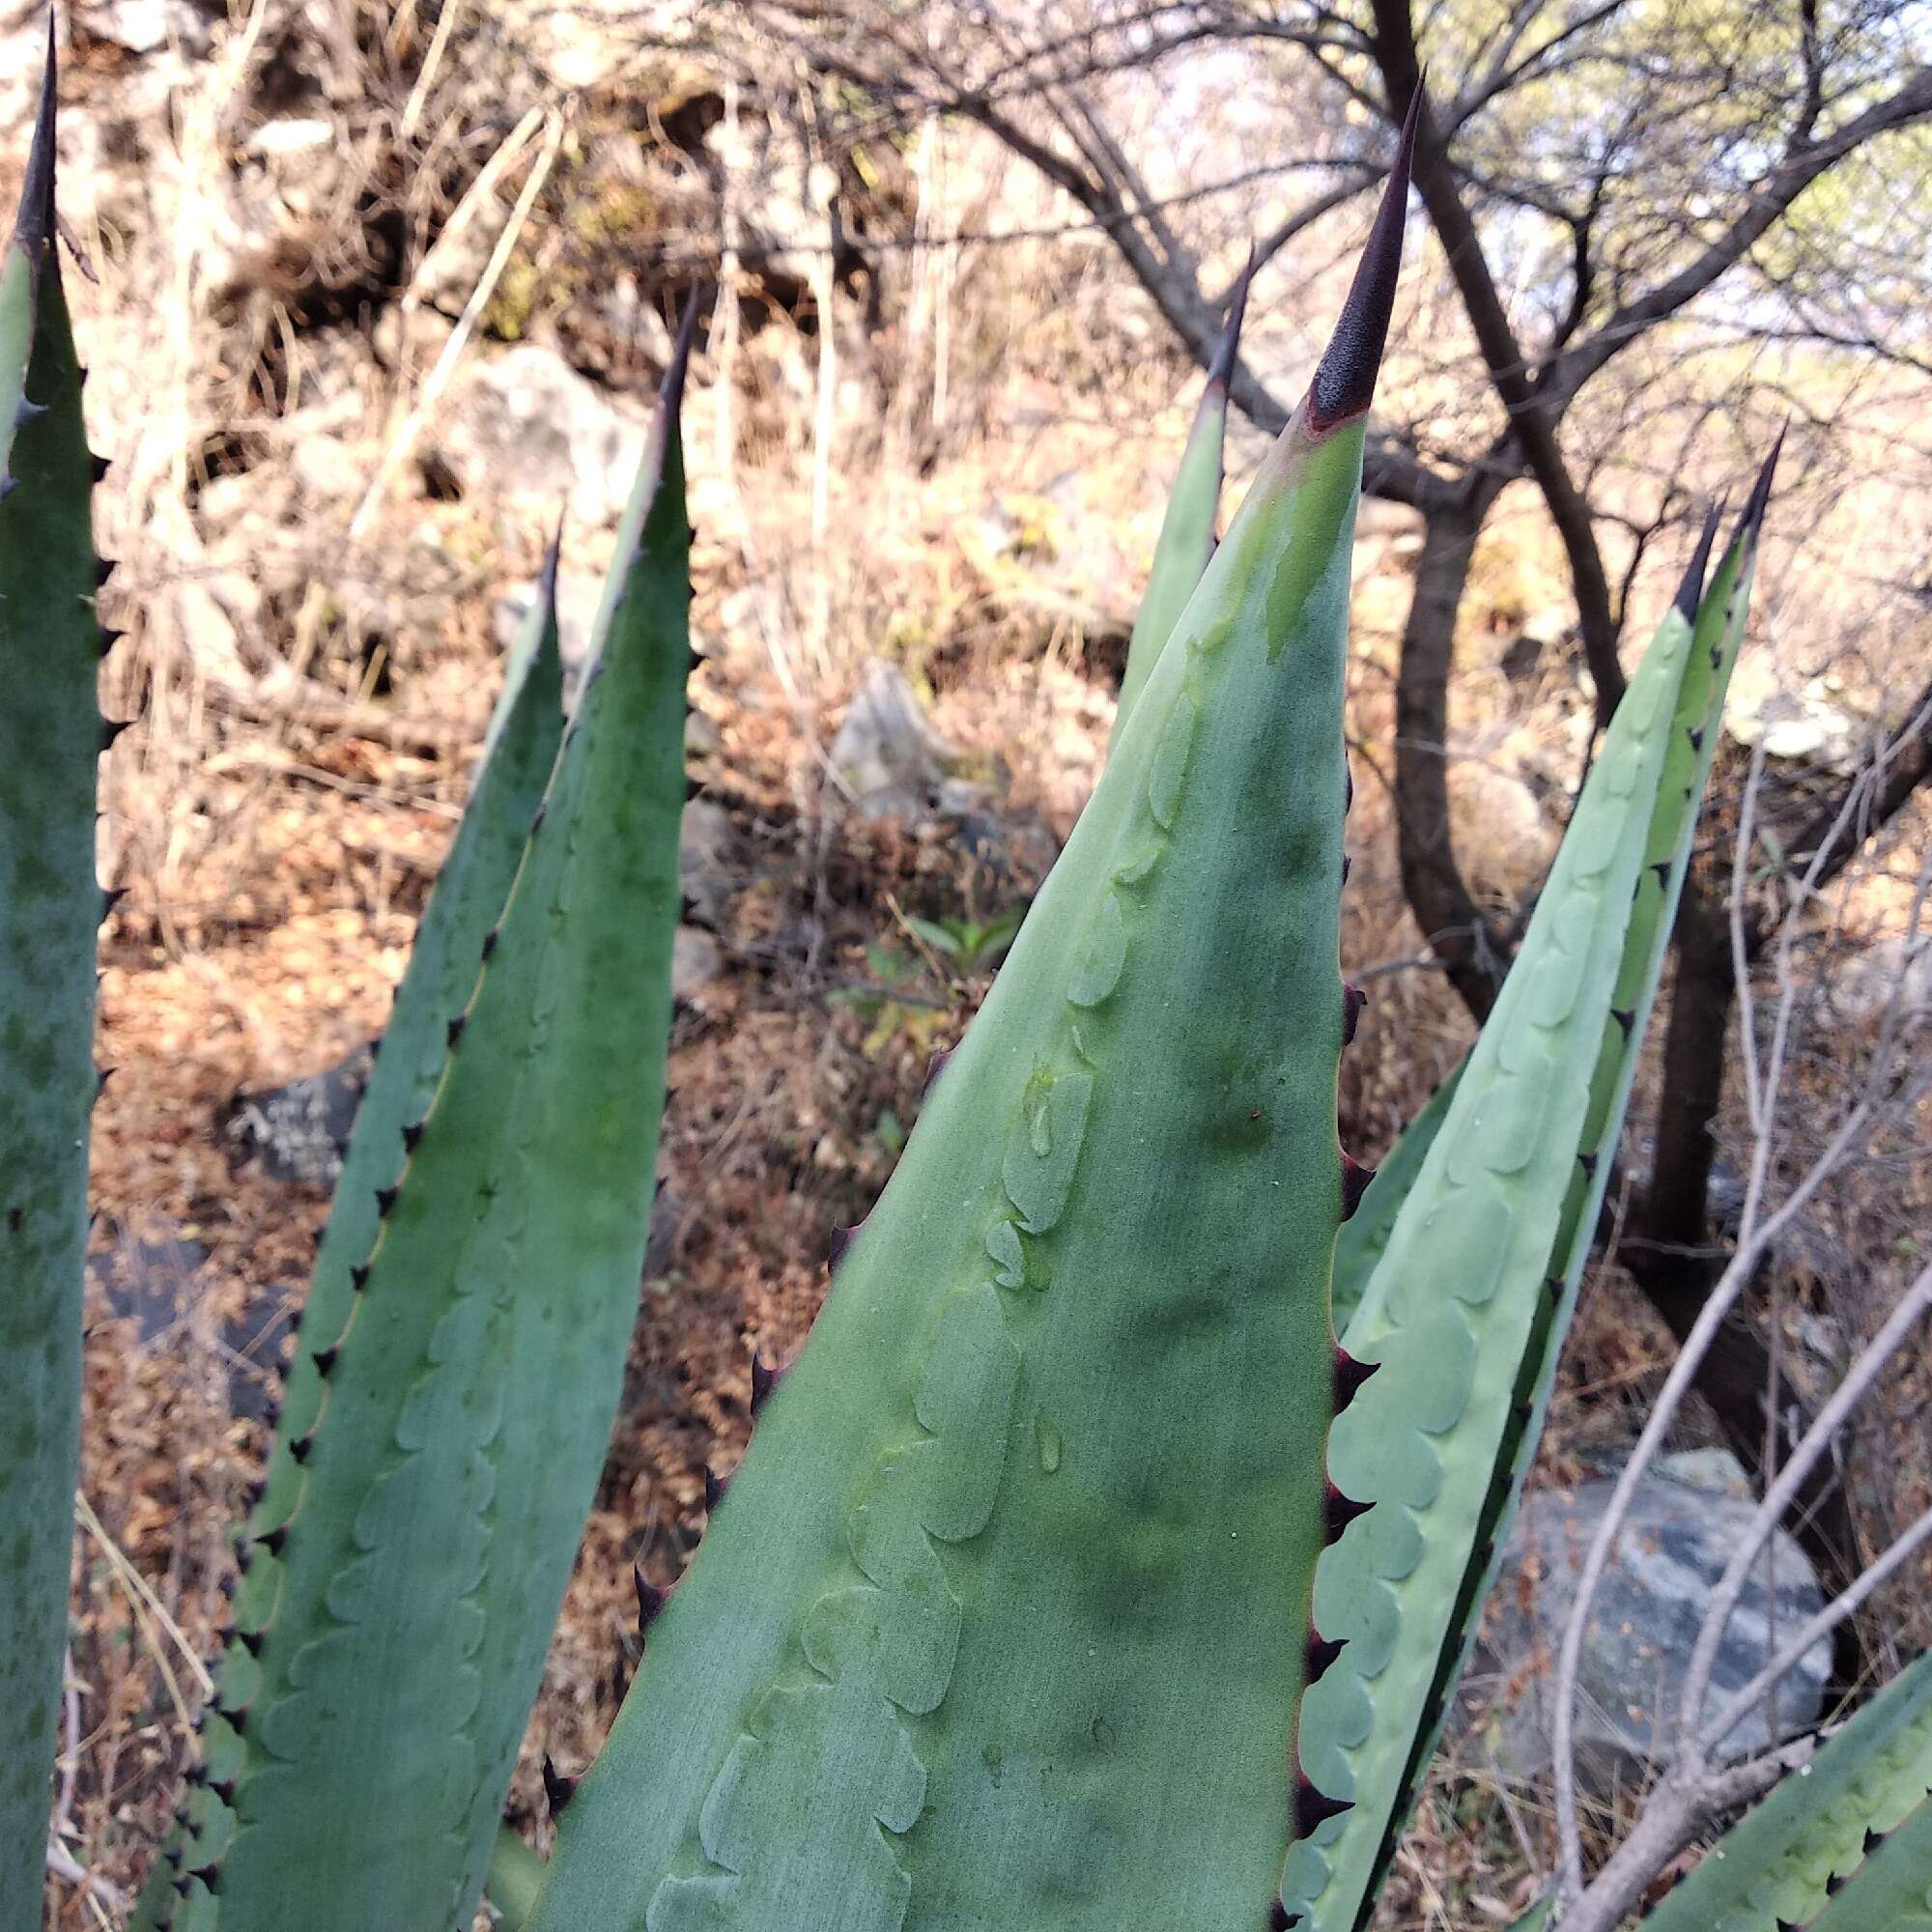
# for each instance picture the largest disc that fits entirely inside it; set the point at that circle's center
(1350, 1376)
(650, 1599)
(557, 1788)
(764, 1379)
(1313, 1807)
(1337, 1512)
(836, 1249)
(1355, 1179)
(1353, 1000)
(1322, 1652)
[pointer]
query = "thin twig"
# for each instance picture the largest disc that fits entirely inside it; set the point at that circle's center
(1845, 1604)
(1816, 1441)
(145, 1604)
(404, 439)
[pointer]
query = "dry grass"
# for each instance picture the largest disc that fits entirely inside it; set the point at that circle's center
(309, 704)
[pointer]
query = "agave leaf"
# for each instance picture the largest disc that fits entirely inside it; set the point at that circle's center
(1458, 1303)
(956, 1650)
(1718, 630)
(395, 1624)
(51, 738)
(1787, 1863)
(1365, 1234)
(520, 752)
(1892, 1891)
(514, 1874)
(1186, 539)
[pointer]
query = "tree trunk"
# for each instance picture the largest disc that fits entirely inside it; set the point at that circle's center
(1451, 923)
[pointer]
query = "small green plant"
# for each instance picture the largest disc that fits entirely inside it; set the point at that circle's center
(1075, 1578)
(971, 945)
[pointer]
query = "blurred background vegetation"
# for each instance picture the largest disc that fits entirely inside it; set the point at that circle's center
(380, 290)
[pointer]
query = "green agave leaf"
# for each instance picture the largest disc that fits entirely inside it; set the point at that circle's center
(957, 1649)
(1458, 1303)
(1787, 1861)
(519, 753)
(1186, 539)
(51, 738)
(515, 1873)
(1892, 1891)
(1717, 631)
(392, 1626)
(1365, 1234)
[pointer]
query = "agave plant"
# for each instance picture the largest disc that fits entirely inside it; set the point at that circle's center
(1076, 1576)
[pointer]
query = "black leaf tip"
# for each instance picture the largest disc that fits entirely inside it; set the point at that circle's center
(1759, 501)
(552, 559)
(1690, 593)
(1350, 1376)
(1221, 370)
(557, 1788)
(1313, 1808)
(1345, 381)
(1280, 1919)
(670, 391)
(34, 230)
(1337, 1512)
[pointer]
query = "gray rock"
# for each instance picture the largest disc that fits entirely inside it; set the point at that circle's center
(154, 1280)
(886, 754)
(149, 26)
(525, 424)
(1644, 1624)
(577, 595)
(704, 873)
(695, 962)
(297, 1132)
